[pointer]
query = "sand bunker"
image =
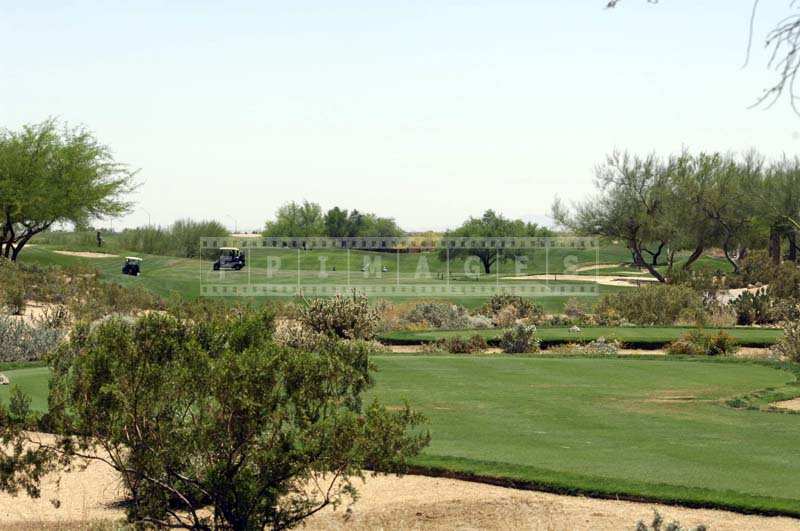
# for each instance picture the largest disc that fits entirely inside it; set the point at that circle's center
(86, 254)
(791, 405)
(605, 280)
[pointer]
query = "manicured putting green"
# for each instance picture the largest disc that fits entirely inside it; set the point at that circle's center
(652, 429)
(639, 336)
(33, 381)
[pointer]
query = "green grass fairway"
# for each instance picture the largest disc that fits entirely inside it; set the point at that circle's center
(644, 429)
(638, 428)
(634, 336)
(165, 275)
(32, 380)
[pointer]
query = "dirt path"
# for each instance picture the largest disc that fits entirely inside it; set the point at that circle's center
(605, 280)
(86, 254)
(411, 502)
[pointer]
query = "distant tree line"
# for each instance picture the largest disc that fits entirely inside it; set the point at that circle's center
(307, 219)
(661, 206)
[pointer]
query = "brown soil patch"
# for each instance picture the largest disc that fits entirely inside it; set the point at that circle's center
(791, 405)
(86, 254)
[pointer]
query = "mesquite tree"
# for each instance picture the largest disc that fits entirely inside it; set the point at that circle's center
(51, 174)
(209, 423)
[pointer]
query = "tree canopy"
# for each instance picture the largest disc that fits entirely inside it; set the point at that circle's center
(306, 219)
(491, 224)
(660, 206)
(52, 174)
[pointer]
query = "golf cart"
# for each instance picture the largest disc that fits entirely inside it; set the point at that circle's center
(132, 266)
(229, 258)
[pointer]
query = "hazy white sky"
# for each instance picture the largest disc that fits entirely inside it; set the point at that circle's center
(425, 111)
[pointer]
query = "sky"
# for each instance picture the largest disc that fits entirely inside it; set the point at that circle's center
(424, 111)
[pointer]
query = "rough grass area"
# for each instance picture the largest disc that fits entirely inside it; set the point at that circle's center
(632, 336)
(637, 429)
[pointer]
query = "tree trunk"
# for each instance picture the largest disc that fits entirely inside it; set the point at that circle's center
(697, 253)
(638, 256)
(726, 247)
(775, 245)
(792, 237)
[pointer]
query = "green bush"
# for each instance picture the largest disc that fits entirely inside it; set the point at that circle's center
(698, 343)
(754, 308)
(211, 422)
(519, 340)
(757, 268)
(344, 317)
(786, 282)
(662, 304)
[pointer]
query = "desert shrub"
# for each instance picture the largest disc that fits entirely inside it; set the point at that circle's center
(460, 345)
(785, 310)
(508, 308)
(605, 315)
(479, 321)
(439, 315)
(599, 347)
(520, 339)
(80, 290)
(717, 315)
(344, 317)
(757, 268)
(698, 343)
(788, 346)
(720, 344)
(20, 341)
(57, 317)
(661, 304)
(753, 308)
(576, 310)
(14, 299)
(658, 524)
(210, 424)
(785, 284)
(505, 317)
(295, 334)
(181, 239)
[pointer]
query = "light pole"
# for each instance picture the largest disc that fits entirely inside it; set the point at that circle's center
(148, 215)
(235, 223)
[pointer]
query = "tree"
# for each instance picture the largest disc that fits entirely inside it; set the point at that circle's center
(633, 205)
(208, 422)
(52, 174)
(299, 220)
(336, 223)
(490, 225)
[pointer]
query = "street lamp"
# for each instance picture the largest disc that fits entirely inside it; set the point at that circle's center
(235, 223)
